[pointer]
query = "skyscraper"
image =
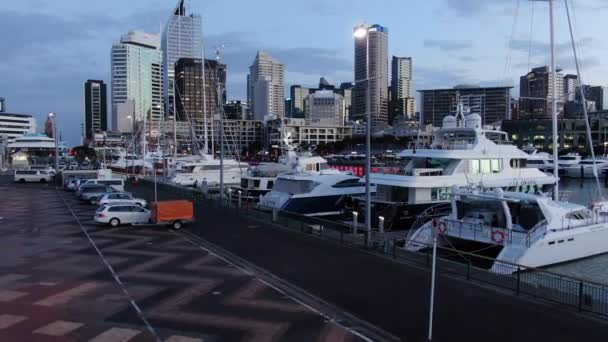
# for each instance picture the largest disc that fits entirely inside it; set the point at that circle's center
(181, 38)
(536, 92)
(324, 107)
(403, 104)
(570, 83)
(95, 108)
(371, 50)
(137, 77)
(265, 87)
(197, 99)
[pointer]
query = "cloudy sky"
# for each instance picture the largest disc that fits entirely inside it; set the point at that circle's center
(51, 47)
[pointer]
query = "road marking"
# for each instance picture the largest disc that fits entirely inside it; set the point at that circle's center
(10, 320)
(116, 335)
(58, 328)
(10, 295)
(66, 296)
(113, 272)
(177, 338)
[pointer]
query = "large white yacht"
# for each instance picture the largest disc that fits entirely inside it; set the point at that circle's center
(323, 192)
(207, 169)
(462, 154)
(584, 169)
(260, 179)
(523, 229)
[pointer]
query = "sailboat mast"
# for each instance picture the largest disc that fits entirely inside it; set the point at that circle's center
(554, 102)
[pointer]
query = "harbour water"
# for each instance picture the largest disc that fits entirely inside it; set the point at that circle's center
(594, 268)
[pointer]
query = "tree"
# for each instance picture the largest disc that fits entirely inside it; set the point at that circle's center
(84, 152)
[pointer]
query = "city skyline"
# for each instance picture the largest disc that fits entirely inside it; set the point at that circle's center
(443, 56)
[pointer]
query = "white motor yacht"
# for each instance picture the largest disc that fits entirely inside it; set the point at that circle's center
(584, 169)
(463, 154)
(525, 229)
(207, 169)
(314, 193)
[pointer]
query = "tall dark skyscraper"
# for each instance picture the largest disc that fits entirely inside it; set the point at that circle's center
(536, 92)
(371, 50)
(95, 108)
(191, 105)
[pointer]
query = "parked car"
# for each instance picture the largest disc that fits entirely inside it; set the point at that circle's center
(118, 214)
(70, 184)
(85, 165)
(116, 184)
(73, 165)
(120, 197)
(91, 193)
(62, 165)
(41, 176)
(46, 168)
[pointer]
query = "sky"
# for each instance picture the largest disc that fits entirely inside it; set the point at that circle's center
(51, 47)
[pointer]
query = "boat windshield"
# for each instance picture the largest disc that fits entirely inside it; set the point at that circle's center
(294, 187)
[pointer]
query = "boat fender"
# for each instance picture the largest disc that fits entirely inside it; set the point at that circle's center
(498, 236)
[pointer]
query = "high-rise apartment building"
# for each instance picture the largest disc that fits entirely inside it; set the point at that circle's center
(493, 104)
(402, 101)
(371, 50)
(196, 98)
(265, 87)
(324, 107)
(181, 38)
(137, 76)
(95, 108)
(298, 93)
(570, 83)
(536, 93)
(236, 110)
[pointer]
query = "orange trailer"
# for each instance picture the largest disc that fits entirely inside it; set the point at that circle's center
(174, 213)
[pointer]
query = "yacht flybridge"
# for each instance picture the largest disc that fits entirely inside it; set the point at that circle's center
(463, 154)
(526, 229)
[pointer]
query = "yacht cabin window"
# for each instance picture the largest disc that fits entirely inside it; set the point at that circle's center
(485, 166)
(294, 187)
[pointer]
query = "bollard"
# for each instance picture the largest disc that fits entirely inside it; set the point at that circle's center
(381, 224)
(239, 204)
(230, 196)
(275, 215)
(355, 216)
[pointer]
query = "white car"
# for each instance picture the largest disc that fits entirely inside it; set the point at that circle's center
(118, 214)
(46, 168)
(41, 176)
(120, 197)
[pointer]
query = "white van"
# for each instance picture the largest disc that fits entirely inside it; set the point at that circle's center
(46, 168)
(116, 184)
(41, 176)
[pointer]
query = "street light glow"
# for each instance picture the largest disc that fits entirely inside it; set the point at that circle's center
(360, 32)
(52, 115)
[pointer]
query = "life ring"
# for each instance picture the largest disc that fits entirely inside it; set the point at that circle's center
(498, 236)
(443, 227)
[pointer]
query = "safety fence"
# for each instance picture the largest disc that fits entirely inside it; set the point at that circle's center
(580, 294)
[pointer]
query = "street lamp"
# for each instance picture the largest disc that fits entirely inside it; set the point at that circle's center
(132, 146)
(52, 116)
(362, 32)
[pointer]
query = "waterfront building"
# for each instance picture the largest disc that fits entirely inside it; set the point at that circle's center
(34, 148)
(346, 90)
(572, 133)
(493, 104)
(181, 38)
(304, 134)
(324, 107)
(14, 125)
(266, 87)
(95, 108)
(371, 51)
(137, 77)
(536, 93)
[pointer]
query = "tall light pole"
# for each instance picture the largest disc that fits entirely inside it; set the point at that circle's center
(362, 32)
(132, 147)
(53, 116)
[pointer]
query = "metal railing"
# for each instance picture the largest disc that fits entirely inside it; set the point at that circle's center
(580, 294)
